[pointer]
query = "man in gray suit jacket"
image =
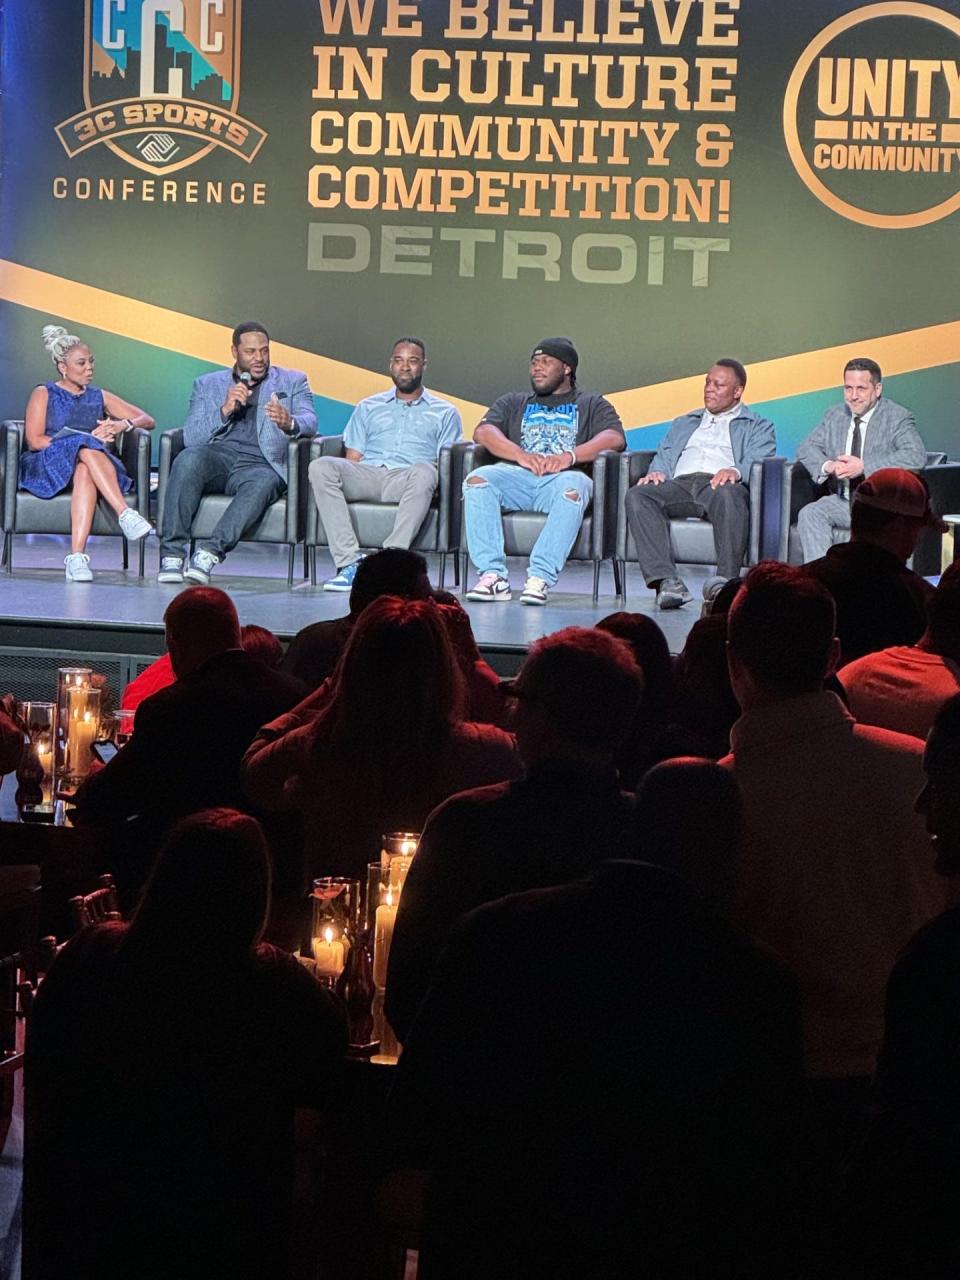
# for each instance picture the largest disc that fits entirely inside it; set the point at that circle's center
(851, 441)
(235, 438)
(701, 469)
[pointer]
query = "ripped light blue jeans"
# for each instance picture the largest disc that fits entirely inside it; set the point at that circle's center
(508, 487)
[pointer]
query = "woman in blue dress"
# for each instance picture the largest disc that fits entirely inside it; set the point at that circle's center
(69, 430)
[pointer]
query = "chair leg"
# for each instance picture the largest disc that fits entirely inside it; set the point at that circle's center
(456, 568)
(306, 561)
(143, 557)
(291, 559)
(617, 582)
(623, 579)
(443, 569)
(596, 581)
(463, 574)
(313, 566)
(126, 554)
(8, 551)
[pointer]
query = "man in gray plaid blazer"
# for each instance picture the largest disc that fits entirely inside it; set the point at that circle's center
(851, 441)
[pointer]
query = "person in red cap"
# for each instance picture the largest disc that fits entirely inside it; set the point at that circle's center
(880, 602)
(545, 443)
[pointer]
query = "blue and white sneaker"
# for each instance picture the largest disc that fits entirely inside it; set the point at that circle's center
(201, 565)
(344, 579)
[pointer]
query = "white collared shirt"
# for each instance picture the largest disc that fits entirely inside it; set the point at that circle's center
(709, 449)
(843, 486)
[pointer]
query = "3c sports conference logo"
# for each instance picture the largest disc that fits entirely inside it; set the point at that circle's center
(161, 83)
(871, 115)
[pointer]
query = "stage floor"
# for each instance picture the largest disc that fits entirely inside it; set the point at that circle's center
(36, 602)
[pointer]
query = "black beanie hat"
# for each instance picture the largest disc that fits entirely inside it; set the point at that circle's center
(560, 348)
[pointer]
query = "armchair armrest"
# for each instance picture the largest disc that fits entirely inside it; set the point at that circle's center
(445, 497)
(462, 461)
(320, 447)
(299, 453)
(10, 446)
(134, 453)
(171, 443)
(634, 463)
(606, 485)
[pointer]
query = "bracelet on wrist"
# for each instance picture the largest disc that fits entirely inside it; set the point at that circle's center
(573, 457)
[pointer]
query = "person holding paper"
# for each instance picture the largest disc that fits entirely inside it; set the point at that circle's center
(69, 428)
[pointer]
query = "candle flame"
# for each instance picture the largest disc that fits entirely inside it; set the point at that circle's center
(390, 896)
(328, 935)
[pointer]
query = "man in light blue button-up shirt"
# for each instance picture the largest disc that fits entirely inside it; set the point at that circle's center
(391, 443)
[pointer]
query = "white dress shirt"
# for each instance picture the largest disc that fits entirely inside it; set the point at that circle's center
(709, 449)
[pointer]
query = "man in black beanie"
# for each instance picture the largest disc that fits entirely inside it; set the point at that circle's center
(546, 442)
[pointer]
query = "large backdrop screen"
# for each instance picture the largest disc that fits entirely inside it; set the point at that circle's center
(665, 181)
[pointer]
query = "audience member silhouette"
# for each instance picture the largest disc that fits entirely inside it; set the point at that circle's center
(833, 873)
(167, 1061)
(880, 602)
(653, 736)
(387, 746)
(603, 1077)
(315, 650)
(903, 687)
(189, 738)
(257, 641)
(903, 1189)
(577, 695)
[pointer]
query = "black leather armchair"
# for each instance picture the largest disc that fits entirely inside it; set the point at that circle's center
(25, 513)
(595, 541)
(372, 521)
(691, 538)
(793, 487)
(281, 522)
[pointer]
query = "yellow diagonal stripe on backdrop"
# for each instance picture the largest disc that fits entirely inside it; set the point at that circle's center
(203, 340)
(186, 335)
(799, 374)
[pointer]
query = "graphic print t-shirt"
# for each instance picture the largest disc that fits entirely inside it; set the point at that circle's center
(552, 424)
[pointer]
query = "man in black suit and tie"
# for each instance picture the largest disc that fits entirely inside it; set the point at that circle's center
(852, 440)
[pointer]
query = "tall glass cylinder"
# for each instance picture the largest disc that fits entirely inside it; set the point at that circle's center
(81, 731)
(336, 919)
(385, 881)
(69, 681)
(40, 721)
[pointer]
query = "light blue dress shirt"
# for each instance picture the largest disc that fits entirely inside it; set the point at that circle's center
(397, 433)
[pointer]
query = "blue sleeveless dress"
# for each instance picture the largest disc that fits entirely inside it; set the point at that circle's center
(45, 472)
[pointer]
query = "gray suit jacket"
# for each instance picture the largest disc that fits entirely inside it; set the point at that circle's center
(891, 440)
(290, 385)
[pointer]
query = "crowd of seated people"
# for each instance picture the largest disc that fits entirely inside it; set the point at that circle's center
(665, 920)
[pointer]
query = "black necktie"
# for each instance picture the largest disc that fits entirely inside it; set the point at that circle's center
(856, 444)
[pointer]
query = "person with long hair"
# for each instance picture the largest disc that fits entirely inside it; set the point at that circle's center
(168, 1060)
(69, 430)
(388, 745)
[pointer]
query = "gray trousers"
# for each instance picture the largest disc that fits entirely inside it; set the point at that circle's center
(337, 481)
(822, 523)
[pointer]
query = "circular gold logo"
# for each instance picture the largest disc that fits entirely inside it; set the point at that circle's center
(871, 115)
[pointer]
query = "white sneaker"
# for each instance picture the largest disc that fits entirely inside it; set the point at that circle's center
(133, 526)
(534, 590)
(490, 586)
(201, 565)
(77, 567)
(171, 569)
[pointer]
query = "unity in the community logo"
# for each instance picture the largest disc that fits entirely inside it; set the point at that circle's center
(872, 115)
(161, 83)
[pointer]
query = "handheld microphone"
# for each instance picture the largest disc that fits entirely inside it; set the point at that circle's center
(240, 409)
(245, 378)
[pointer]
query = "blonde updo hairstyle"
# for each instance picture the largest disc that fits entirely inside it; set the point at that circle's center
(58, 342)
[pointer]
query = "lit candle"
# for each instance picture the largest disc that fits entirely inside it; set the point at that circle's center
(386, 918)
(81, 737)
(45, 755)
(328, 953)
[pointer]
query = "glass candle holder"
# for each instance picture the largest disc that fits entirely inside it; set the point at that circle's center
(397, 849)
(40, 721)
(336, 918)
(123, 726)
(69, 680)
(80, 732)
